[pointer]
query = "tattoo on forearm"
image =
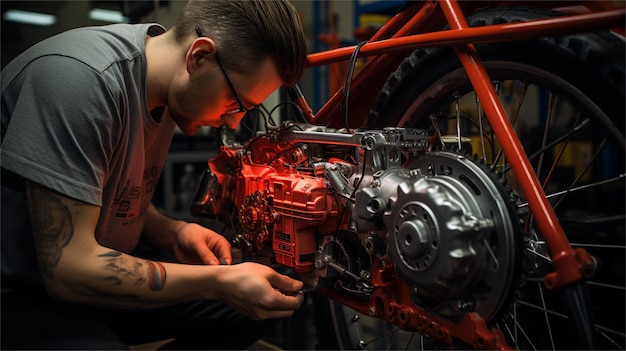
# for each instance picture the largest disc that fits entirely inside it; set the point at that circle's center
(122, 269)
(130, 269)
(156, 275)
(52, 227)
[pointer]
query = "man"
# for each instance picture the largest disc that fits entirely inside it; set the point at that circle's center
(87, 119)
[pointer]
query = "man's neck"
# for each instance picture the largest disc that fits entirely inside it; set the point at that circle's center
(163, 57)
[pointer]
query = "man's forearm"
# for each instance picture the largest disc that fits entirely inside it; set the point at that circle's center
(75, 267)
(117, 280)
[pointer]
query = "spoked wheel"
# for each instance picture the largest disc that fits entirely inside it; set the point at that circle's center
(565, 99)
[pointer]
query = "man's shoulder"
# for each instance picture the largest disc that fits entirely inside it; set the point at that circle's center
(98, 47)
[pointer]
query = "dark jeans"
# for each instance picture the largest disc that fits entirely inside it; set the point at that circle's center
(35, 321)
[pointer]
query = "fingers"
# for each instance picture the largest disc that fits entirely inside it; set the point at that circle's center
(206, 255)
(222, 249)
(278, 305)
(288, 302)
(285, 284)
(215, 249)
(287, 294)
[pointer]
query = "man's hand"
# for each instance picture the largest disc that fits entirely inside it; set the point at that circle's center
(196, 244)
(259, 292)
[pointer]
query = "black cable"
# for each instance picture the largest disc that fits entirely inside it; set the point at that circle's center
(343, 107)
(247, 120)
(298, 109)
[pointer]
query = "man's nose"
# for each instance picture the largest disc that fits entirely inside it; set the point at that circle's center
(232, 120)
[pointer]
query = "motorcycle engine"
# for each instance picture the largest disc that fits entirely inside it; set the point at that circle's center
(378, 213)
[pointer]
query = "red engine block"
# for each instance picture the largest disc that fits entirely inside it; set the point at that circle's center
(278, 202)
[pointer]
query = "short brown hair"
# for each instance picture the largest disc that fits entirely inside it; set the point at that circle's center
(247, 31)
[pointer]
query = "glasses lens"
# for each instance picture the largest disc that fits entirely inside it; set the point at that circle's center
(236, 111)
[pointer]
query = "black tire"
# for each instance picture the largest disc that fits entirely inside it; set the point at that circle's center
(585, 74)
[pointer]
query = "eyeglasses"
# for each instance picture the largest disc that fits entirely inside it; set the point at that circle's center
(242, 108)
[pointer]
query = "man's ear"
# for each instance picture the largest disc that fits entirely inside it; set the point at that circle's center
(201, 48)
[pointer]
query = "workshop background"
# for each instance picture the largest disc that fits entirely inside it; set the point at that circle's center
(328, 24)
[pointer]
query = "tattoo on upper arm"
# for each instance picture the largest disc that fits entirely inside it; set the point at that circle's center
(52, 226)
(130, 269)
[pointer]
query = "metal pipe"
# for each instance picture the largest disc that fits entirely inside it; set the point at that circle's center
(488, 34)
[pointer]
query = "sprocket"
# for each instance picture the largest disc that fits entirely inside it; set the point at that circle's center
(454, 235)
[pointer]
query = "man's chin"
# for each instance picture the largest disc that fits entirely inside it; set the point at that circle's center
(190, 130)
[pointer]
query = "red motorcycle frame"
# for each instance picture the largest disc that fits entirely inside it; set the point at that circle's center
(418, 25)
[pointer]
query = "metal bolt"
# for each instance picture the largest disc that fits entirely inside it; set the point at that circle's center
(319, 264)
(371, 311)
(365, 275)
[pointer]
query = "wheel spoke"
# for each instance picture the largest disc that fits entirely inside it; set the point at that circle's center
(481, 132)
(603, 331)
(580, 188)
(518, 327)
(545, 257)
(544, 139)
(458, 121)
(380, 337)
(545, 313)
(560, 139)
(582, 173)
(520, 97)
(555, 142)
(408, 343)
(611, 286)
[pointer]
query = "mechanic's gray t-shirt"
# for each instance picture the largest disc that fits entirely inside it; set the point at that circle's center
(74, 119)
